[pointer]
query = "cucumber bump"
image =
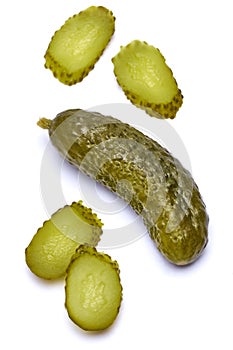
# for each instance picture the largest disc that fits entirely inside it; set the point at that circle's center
(146, 80)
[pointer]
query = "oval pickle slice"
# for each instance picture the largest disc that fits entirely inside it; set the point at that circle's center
(146, 80)
(78, 44)
(93, 289)
(50, 251)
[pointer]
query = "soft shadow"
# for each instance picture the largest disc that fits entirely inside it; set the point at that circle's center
(42, 281)
(101, 333)
(188, 267)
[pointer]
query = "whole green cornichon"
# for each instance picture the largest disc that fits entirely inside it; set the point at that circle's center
(155, 184)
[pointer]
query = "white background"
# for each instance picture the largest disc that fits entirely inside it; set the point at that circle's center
(164, 307)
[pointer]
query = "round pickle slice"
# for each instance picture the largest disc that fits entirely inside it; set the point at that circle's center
(78, 44)
(49, 253)
(93, 290)
(146, 80)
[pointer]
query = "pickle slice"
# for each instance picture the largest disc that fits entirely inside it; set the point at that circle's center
(78, 44)
(146, 80)
(93, 290)
(49, 253)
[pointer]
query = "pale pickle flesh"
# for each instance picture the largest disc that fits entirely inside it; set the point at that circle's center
(146, 80)
(51, 248)
(77, 45)
(93, 289)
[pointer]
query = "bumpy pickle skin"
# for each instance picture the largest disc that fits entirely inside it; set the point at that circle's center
(147, 81)
(161, 190)
(93, 290)
(78, 44)
(49, 253)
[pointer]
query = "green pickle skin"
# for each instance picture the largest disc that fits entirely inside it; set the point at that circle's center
(161, 190)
